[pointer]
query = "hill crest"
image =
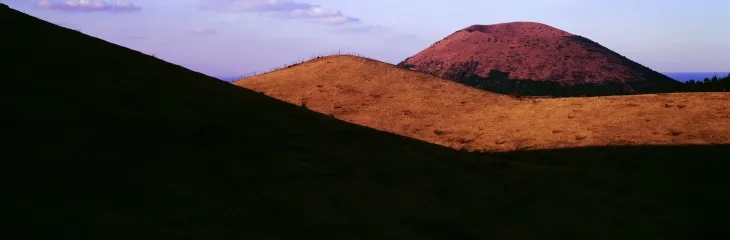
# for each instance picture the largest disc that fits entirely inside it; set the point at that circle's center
(532, 51)
(518, 29)
(354, 77)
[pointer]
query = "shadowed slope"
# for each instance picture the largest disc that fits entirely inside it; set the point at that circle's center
(105, 143)
(381, 96)
(534, 51)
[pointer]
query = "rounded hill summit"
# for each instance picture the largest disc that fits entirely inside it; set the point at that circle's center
(532, 51)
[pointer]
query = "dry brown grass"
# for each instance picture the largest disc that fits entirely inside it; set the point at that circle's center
(381, 96)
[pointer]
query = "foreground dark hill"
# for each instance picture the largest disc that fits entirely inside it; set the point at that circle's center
(543, 57)
(102, 142)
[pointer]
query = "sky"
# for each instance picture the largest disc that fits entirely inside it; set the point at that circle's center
(240, 37)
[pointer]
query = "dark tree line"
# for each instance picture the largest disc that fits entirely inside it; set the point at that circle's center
(500, 82)
(713, 84)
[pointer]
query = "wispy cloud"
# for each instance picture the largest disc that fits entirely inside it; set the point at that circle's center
(88, 6)
(203, 31)
(285, 8)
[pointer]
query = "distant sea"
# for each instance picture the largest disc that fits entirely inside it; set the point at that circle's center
(686, 76)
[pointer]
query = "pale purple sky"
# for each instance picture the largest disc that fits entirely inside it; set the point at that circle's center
(234, 37)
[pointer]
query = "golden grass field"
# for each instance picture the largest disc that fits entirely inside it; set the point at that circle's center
(379, 95)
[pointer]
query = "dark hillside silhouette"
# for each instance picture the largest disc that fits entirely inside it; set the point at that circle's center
(103, 142)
